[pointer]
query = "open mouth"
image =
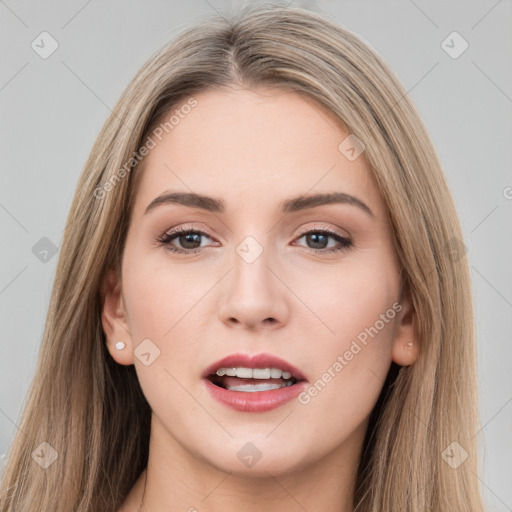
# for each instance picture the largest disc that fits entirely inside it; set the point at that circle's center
(251, 380)
(253, 383)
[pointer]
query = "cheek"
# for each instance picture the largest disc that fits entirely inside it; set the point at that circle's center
(165, 304)
(352, 358)
(158, 294)
(349, 303)
(160, 308)
(350, 367)
(344, 388)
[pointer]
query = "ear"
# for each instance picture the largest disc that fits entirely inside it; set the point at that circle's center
(114, 319)
(405, 345)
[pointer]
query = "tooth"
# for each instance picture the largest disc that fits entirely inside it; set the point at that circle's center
(256, 373)
(244, 373)
(251, 388)
(259, 373)
(275, 373)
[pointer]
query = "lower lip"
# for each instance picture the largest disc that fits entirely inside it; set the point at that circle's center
(257, 401)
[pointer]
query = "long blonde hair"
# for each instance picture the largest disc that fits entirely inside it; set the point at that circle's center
(92, 411)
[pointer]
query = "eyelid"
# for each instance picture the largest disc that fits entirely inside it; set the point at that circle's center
(323, 227)
(172, 232)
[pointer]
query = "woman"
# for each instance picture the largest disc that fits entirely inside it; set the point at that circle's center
(260, 301)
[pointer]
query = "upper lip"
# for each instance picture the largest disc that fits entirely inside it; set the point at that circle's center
(253, 361)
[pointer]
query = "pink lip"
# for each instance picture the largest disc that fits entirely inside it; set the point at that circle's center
(259, 401)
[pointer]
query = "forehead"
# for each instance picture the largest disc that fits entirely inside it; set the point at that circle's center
(252, 147)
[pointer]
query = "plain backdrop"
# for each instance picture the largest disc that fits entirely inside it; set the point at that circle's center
(52, 108)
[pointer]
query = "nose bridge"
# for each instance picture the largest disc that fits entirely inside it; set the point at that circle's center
(254, 294)
(251, 274)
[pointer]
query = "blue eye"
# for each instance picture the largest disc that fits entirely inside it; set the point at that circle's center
(321, 237)
(190, 240)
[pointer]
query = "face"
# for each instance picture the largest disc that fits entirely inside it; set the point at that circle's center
(313, 289)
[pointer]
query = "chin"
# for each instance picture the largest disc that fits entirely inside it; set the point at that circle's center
(258, 456)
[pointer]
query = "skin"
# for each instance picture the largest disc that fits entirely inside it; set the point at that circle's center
(254, 148)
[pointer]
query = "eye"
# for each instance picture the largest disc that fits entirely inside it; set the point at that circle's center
(319, 238)
(188, 238)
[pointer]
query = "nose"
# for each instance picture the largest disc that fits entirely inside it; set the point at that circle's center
(253, 294)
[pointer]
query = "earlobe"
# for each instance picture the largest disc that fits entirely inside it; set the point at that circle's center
(406, 353)
(405, 344)
(114, 320)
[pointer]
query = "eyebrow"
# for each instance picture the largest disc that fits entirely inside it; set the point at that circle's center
(293, 204)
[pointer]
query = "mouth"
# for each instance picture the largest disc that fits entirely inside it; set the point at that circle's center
(251, 380)
(254, 383)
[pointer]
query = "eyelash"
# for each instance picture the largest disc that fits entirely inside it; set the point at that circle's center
(167, 238)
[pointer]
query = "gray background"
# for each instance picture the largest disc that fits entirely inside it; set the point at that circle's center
(52, 109)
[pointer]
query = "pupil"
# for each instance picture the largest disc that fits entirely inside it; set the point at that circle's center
(187, 239)
(315, 237)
